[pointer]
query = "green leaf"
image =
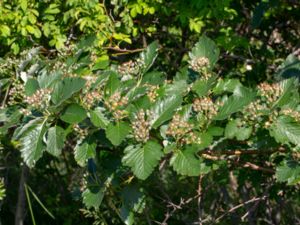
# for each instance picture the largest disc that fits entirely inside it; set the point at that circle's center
(154, 78)
(117, 133)
(142, 159)
(289, 68)
(202, 86)
(47, 80)
(84, 150)
(74, 113)
(132, 201)
(55, 140)
(228, 85)
(286, 130)
(91, 199)
(32, 146)
(98, 119)
(11, 118)
(176, 88)
(133, 198)
(288, 172)
(66, 88)
(113, 83)
(185, 163)
(31, 86)
(235, 129)
(289, 87)
(149, 55)
(5, 30)
(241, 97)
(163, 110)
(205, 47)
(23, 4)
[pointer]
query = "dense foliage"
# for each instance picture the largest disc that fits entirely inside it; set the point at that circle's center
(128, 112)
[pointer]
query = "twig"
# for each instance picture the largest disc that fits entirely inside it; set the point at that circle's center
(124, 50)
(5, 96)
(242, 152)
(21, 203)
(240, 205)
(256, 167)
(199, 192)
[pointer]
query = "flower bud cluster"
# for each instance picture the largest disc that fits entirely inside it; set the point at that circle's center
(182, 131)
(61, 66)
(82, 133)
(206, 106)
(115, 104)
(25, 112)
(16, 93)
(40, 99)
(141, 126)
(130, 67)
(253, 111)
(77, 180)
(199, 63)
(191, 138)
(292, 113)
(271, 92)
(91, 98)
(152, 92)
(89, 81)
(178, 127)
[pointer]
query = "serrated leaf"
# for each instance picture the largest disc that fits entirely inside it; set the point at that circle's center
(163, 110)
(289, 87)
(228, 85)
(241, 97)
(55, 140)
(47, 80)
(74, 113)
(185, 163)
(202, 86)
(286, 130)
(149, 55)
(98, 119)
(205, 47)
(31, 86)
(66, 88)
(32, 146)
(113, 83)
(11, 118)
(234, 129)
(116, 133)
(288, 172)
(84, 150)
(91, 199)
(176, 88)
(142, 159)
(289, 68)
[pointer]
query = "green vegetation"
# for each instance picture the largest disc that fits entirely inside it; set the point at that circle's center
(149, 112)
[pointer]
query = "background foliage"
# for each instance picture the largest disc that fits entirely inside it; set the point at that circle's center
(127, 111)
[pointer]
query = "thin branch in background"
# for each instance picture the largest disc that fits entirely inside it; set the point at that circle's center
(21, 204)
(256, 167)
(199, 192)
(5, 96)
(124, 50)
(239, 206)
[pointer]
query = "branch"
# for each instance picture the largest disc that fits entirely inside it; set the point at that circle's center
(241, 152)
(256, 167)
(124, 50)
(199, 192)
(239, 206)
